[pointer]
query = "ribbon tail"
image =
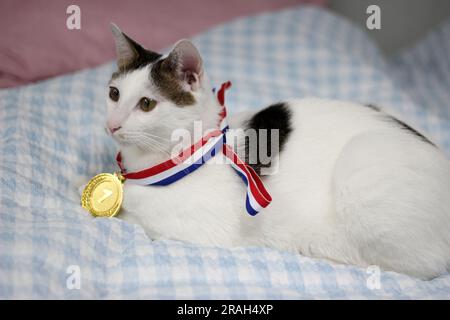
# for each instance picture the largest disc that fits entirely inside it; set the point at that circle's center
(257, 196)
(221, 93)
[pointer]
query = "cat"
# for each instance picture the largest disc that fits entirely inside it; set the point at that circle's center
(352, 184)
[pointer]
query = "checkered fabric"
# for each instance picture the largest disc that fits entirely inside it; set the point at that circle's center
(52, 133)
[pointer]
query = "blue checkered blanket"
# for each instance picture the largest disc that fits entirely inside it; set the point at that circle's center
(52, 133)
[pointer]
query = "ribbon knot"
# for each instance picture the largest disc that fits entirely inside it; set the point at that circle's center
(198, 154)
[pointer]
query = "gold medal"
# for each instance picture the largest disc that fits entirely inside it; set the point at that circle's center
(102, 196)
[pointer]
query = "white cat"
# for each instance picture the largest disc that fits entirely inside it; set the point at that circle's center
(353, 185)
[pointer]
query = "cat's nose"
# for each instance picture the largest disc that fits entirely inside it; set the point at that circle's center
(112, 130)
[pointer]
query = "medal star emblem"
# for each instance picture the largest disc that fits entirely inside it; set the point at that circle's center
(106, 194)
(103, 195)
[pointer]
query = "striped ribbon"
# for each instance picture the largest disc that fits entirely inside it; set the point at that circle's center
(193, 157)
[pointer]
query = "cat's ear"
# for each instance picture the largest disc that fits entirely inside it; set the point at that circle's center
(187, 63)
(126, 48)
(128, 51)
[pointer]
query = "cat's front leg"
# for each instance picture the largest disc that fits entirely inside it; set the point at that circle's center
(168, 213)
(138, 208)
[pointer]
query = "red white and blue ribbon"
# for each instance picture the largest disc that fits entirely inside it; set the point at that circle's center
(198, 154)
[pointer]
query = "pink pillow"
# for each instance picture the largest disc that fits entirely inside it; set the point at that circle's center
(36, 44)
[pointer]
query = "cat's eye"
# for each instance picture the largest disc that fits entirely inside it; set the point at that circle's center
(147, 104)
(114, 94)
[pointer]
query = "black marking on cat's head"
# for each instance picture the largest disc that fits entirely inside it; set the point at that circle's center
(276, 116)
(130, 54)
(165, 76)
(183, 66)
(181, 70)
(407, 128)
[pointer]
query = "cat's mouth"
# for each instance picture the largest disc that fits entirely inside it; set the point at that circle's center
(117, 134)
(122, 137)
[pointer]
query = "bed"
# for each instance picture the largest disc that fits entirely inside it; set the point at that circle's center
(52, 133)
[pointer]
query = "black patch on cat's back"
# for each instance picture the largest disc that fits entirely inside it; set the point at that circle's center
(276, 116)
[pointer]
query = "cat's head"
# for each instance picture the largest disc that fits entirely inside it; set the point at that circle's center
(151, 95)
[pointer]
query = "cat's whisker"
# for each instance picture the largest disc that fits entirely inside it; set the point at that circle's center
(150, 135)
(162, 143)
(141, 138)
(151, 145)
